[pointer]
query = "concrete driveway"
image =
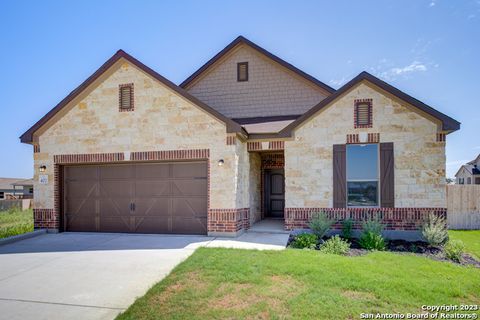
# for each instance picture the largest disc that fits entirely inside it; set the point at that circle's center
(94, 275)
(85, 275)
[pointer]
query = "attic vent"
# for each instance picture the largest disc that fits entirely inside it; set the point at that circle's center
(125, 94)
(363, 114)
(242, 71)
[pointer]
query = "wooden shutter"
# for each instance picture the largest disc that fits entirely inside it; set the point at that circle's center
(242, 71)
(339, 176)
(126, 97)
(387, 183)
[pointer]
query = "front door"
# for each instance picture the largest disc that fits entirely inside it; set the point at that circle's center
(274, 193)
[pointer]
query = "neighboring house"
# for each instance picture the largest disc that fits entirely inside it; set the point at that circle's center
(15, 188)
(248, 136)
(469, 173)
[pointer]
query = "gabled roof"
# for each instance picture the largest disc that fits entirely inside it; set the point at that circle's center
(448, 124)
(242, 40)
(27, 137)
(476, 160)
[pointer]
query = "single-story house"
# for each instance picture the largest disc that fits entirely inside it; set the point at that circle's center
(469, 173)
(246, 137)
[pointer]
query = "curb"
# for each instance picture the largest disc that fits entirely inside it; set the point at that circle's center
(22, 236)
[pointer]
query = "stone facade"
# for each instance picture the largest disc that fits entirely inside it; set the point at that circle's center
(162, 121)
(270, 89)
(419, 159)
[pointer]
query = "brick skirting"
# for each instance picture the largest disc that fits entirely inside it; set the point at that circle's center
(228, 220)
(45, 219)
(405, 219)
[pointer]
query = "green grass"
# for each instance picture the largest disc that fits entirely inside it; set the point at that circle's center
(15, 221)
(471, 239)
(303, 284)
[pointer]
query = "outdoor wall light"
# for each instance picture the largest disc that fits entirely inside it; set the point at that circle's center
(220, 162)
(42, 168)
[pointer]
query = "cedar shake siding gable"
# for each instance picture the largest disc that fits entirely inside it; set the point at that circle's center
(89, 84)
(272, 88)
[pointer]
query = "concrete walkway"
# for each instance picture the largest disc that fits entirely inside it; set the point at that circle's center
(96, 276)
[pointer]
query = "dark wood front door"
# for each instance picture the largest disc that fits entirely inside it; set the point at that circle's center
(274, 193)
(140, 198)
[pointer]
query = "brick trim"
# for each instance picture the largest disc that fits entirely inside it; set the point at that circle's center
(357, 102)
(88, 158)
(354, 138)
(228, 220)
(275, 145)
(132, 97)
(408, 219)
(192, 154)
(441, 137)
(45, 219)
(231, 140)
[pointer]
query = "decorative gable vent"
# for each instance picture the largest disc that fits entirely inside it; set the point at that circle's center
(125, 94)
(242, 71)
(363, 113)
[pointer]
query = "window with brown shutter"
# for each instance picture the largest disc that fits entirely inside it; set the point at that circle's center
(125, 96)
(363, 114)
(242, 71)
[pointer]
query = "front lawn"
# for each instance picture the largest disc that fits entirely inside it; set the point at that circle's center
(303, 284)
(471, 239)
(15, 221)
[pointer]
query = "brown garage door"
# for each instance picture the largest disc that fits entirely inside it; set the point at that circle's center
(143, 198)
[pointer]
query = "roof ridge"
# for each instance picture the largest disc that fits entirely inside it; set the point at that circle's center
(27, 137)
(242, 39)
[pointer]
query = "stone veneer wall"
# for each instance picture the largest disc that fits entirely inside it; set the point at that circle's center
(255, 183)
(270, 89)
(419, 160)
(161, 121)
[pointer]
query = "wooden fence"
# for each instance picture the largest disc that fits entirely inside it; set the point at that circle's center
(463, 205)
(23, 204)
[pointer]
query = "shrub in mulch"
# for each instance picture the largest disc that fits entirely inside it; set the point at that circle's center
(400, 247)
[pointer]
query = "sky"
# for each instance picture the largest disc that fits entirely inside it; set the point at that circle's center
(429, 49)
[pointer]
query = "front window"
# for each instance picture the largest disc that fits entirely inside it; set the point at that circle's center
(460, 180)
(362, 175)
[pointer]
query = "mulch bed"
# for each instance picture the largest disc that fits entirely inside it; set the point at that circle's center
(405, 247)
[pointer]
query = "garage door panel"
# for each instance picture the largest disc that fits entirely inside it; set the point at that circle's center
(189, 170)
(188, 226)
(114, 206)
(151, 188)
(153, 225)
(191, 208)
(117, 172)
(114, 224)
(82, 173)
(189, 187)
(121, 188)
(81, 189)
(81, 224)
(153, 171)
(144, 198)
(159, 207)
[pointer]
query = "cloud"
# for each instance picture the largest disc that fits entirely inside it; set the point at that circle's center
(395, 72)
(338, 82)
(432, 3)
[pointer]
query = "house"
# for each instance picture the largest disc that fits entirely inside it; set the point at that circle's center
(469, 173)
(15, 188)
(246, 137)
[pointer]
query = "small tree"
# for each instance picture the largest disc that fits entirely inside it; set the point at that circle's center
(320, 224)
(434, 230)
(347, 228)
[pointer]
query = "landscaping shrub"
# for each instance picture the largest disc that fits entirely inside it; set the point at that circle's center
(320, 224)
(347, 228)
(454, 250)
(305, 241)
(434, 230)
(372, 241)
(371, 237)
(335, 245)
